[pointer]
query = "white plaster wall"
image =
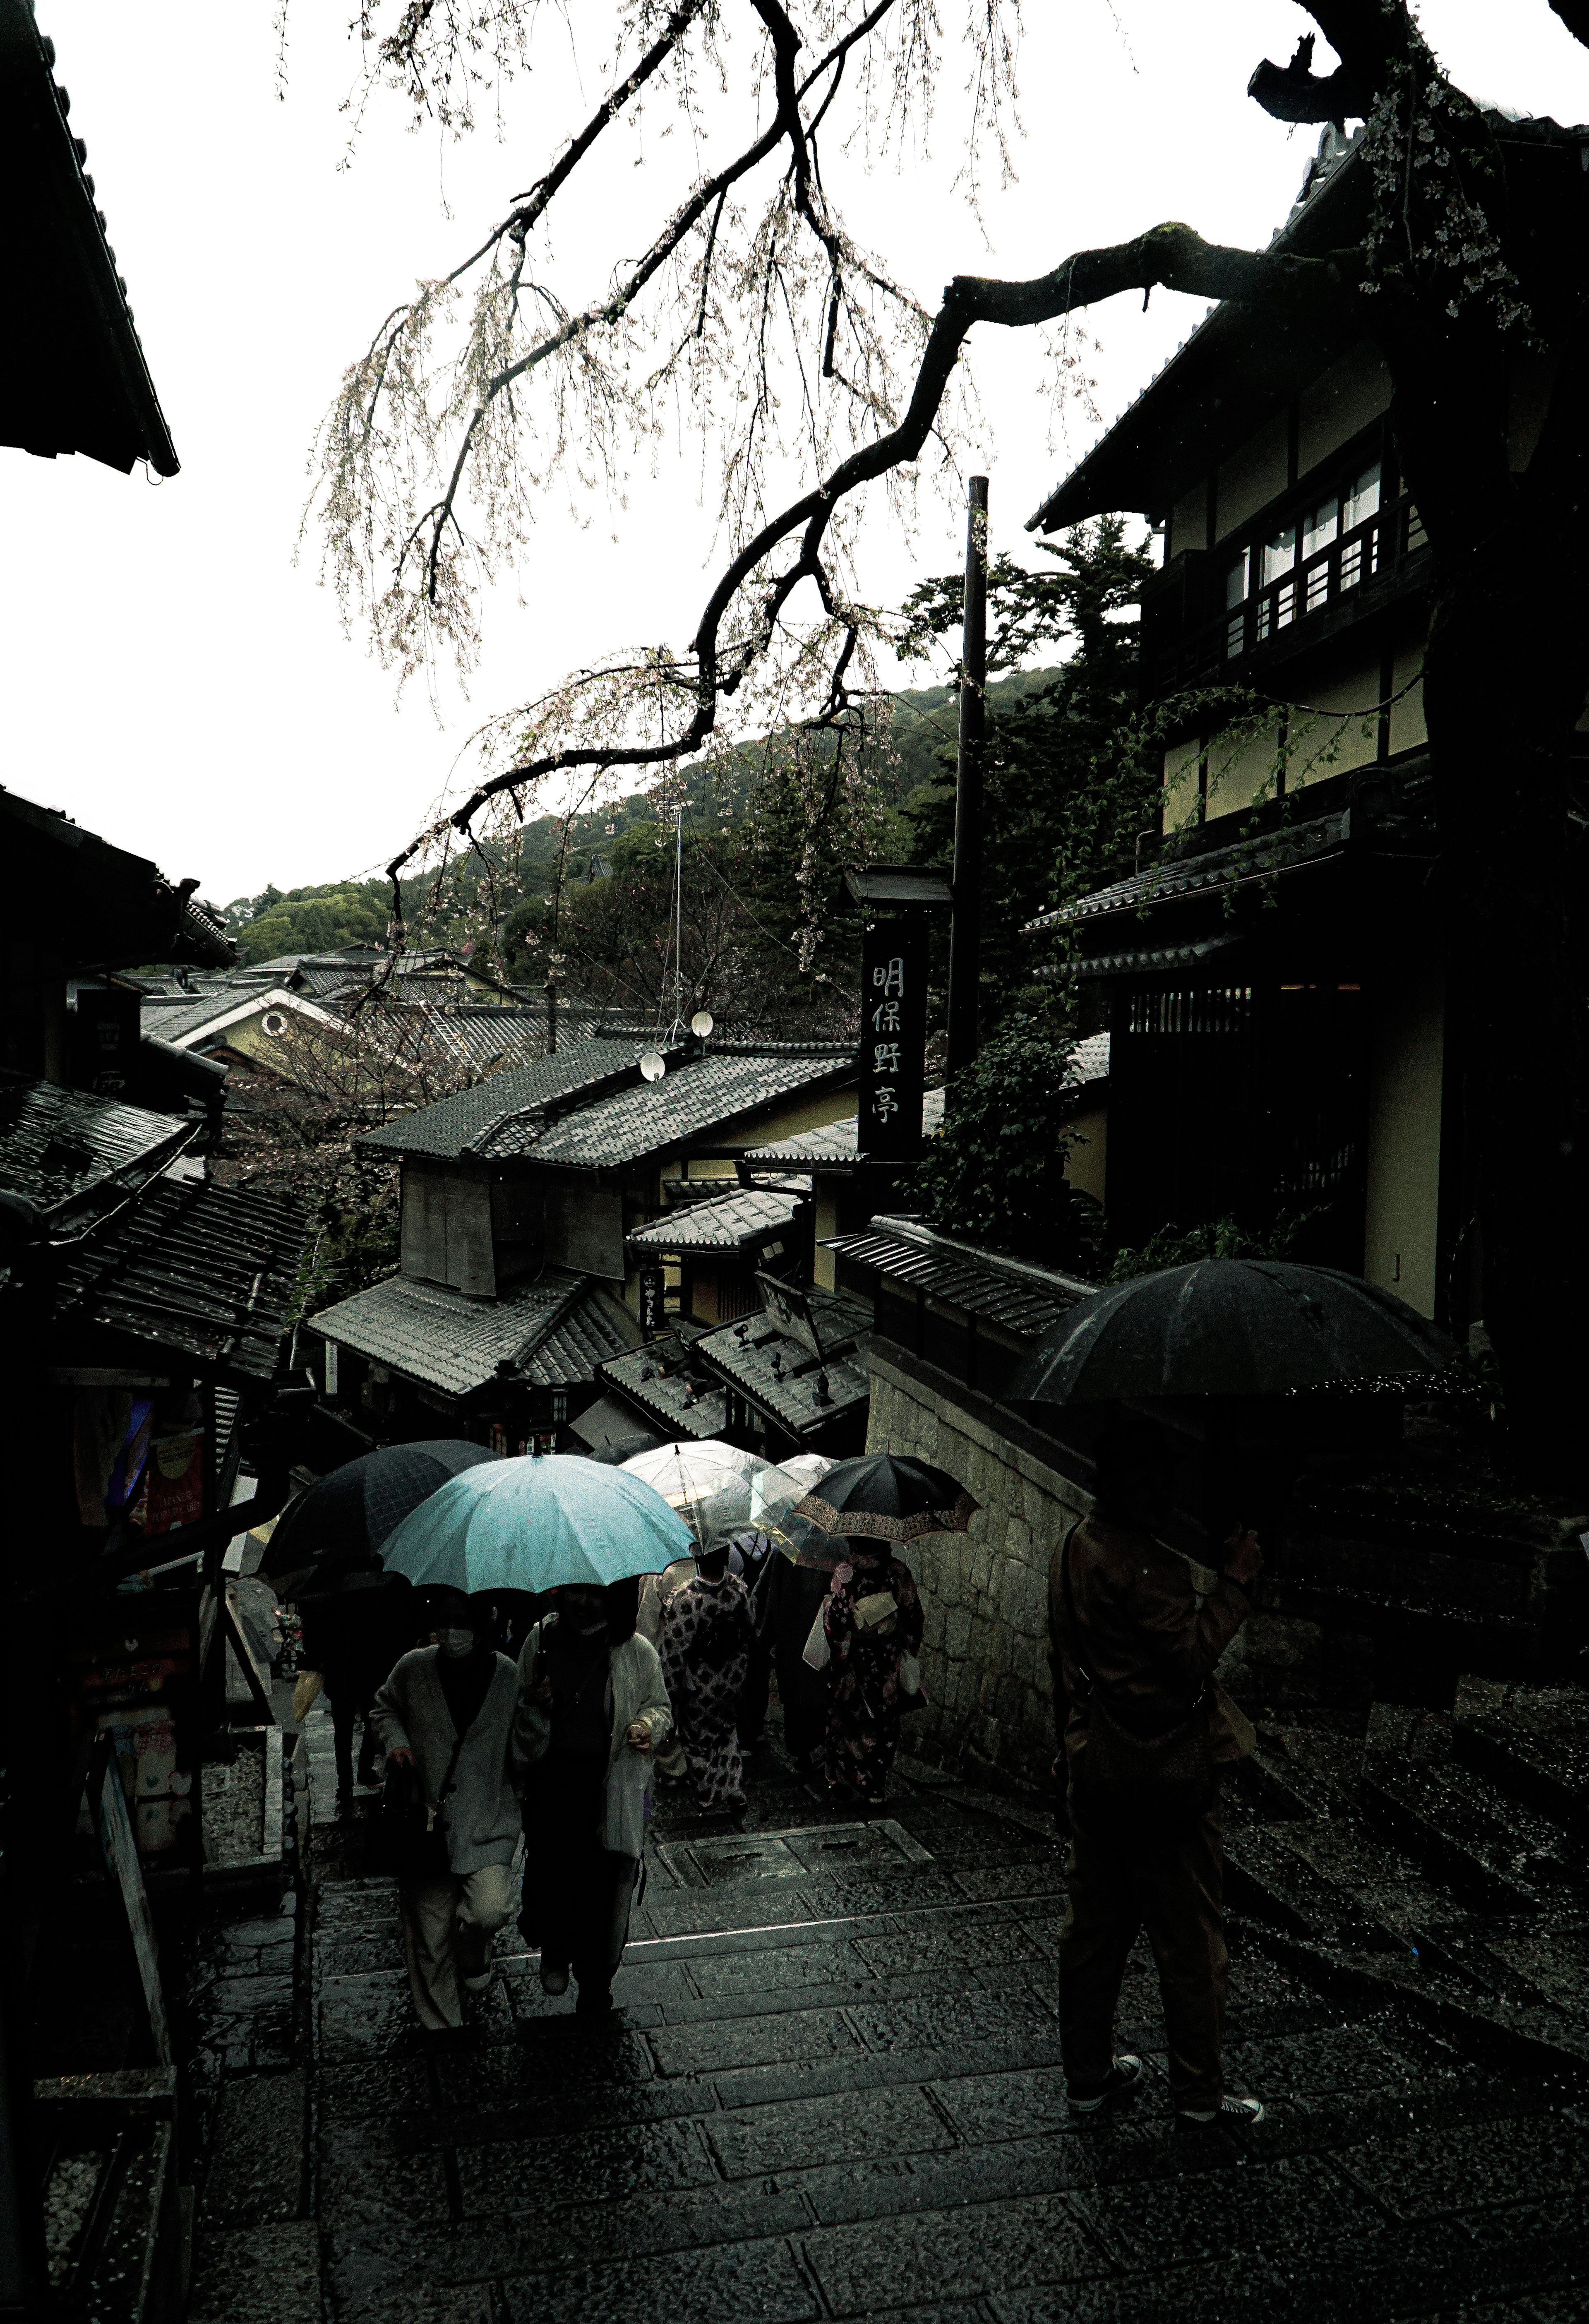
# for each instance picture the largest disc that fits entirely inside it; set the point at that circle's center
(1400, 1224)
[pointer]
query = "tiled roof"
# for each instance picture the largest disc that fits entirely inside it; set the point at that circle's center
(664, 1381)
(781, 1375)
(551, 1332)
(455, 1123)
(206, 1271)
(694, 1097)
(1210, 871)
(1010, 1292)
(173, 1018)
(64, 1150)
(723, 1224)
(835, 1142)
(78, 379)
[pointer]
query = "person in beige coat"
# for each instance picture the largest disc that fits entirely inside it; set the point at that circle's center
(593, 1710)
(457, 1694)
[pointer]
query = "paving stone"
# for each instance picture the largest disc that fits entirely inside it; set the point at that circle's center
(946, 2019)
(845, 2125)
(691, 1912)
(337, 1954)
(949, 1944)
(935, 2182)
(1340, 2057)
(362, 2183)
(770, 2084)
(957, 2253)
(1459, 2171)
(350, 2093)
(463, 2303)
(1299, 2207)
(256, 2152)
(768, 1970)
(260, 2276)
(1000, 1881)
(535, 2173)
(750, 2280)
(725, 2043)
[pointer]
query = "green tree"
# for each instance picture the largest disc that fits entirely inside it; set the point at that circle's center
(995, 1173)
(1063, 800)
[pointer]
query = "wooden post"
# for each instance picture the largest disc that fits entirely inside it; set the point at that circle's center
(966, 924)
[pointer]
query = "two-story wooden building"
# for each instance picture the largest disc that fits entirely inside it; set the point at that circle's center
(522, 1199)
(1270, 974)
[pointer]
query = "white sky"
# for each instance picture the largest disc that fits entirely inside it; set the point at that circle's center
(176, 683)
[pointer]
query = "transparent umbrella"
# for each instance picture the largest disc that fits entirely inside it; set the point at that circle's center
(709, 1483)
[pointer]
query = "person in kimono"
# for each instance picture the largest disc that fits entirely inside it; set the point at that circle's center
(871, 1620)
(708, 1637)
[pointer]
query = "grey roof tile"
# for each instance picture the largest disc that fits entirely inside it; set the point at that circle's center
(780, 1373)
(835, 1142)
(722, 1223)
(1012, 1293)
(453, 1123)
(60, 1148)
(553, 1331)
(1207, 870)
(207, 1271)
(663, 1382)
(698, 1094)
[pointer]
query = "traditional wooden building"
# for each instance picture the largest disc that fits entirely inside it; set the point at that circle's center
(522, 1197)
(1269, 972)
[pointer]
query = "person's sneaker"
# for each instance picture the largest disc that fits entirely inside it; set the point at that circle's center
(478, 1984)
(553, 1981)
(1231, 2114)
(1123, 2075)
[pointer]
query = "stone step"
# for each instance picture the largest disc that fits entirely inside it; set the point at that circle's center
(1531, 1742)
(1494, 1854)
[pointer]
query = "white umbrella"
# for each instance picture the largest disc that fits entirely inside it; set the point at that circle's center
(709, 1483)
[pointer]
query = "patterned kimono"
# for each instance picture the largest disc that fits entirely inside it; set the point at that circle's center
(707, 1636)
(863, 1674)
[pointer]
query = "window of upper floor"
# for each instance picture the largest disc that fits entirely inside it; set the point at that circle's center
(1320, 552)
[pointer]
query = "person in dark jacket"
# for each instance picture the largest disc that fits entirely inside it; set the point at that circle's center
(594, 1711)
(1136, 1629)
(354, 1626)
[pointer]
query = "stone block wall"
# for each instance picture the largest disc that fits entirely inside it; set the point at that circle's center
(985, 1593)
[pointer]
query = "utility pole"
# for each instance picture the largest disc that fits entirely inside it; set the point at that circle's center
(966, 923)
(677, 1030)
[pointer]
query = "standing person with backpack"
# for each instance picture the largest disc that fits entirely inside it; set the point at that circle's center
(445, 1719)
(1136, 1629)
(709, 1637)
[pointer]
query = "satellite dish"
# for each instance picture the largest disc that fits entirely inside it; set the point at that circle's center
(701, 1024)
(652, 1066)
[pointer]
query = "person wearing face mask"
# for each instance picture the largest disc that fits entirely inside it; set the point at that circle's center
(448, 1710)
(593, 1708)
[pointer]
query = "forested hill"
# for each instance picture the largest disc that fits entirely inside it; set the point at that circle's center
(354, 911)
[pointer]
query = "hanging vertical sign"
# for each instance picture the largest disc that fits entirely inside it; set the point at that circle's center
(653, 1312)
(893, 1038)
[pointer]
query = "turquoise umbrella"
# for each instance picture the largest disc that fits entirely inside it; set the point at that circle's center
(544, 1523)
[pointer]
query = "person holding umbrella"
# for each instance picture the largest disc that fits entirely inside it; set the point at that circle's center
(593, 1710)
(594, 1707)
(447, 1713)
(872, 1618)
(1135, 1638)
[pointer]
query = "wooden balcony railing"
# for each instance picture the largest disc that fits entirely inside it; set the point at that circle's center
(1360, 567)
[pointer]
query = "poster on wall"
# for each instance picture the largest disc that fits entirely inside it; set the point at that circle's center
(654, 1315)
(172, 1493)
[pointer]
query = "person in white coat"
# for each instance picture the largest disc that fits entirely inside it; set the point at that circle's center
(593, 1710)
(456, 1693)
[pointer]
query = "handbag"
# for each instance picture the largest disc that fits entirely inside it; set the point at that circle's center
(410, 1839)
(1155, 1772)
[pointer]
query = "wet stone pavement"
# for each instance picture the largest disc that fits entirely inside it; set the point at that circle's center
(833, 2090)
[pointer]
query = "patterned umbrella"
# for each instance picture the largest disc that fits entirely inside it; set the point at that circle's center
(889, 1497)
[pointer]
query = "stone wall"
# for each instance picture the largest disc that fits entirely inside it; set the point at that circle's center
(985, 1593)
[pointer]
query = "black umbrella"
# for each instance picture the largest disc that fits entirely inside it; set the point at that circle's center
(1227, 1327)
(889, 1497)
(349, 1514)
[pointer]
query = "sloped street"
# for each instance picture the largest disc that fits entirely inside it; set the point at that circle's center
(833, 2090)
